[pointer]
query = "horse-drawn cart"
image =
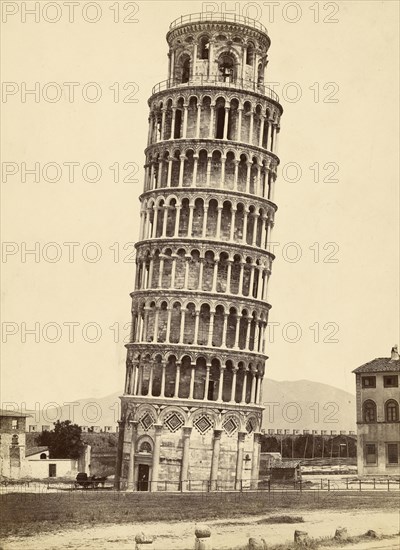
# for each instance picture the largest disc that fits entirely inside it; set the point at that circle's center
(88, 482)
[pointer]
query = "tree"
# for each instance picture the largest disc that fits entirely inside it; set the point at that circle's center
(65, 441)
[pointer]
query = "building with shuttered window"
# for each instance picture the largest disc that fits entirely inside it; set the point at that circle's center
(378, 426)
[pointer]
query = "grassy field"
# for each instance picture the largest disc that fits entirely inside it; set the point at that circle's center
(24, 514)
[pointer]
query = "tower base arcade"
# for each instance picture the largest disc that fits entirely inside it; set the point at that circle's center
(176, 447)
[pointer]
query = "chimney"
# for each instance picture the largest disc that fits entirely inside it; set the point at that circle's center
(394, 354)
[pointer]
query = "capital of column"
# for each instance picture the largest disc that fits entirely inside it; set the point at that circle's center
(241, 436)
(187, 430)
(217, 434)
(134, 424)
(158, 429)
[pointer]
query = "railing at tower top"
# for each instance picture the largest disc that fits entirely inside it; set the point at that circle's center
(217, 16)
(217, 80)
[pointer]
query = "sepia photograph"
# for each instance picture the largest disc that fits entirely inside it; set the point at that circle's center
(200, 282)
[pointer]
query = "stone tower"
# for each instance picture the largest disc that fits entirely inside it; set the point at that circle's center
(192, 405)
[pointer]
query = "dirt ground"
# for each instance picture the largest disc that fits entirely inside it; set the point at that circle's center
(226, 534)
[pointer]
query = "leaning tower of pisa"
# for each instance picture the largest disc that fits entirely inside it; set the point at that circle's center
(192, 405)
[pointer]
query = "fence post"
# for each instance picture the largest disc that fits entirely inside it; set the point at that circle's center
(374, 484)
(347, 483)
(322, 486)
(388, 484)
(329, 484)
(360, 484)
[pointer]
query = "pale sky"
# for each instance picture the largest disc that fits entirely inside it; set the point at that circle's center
(353, 61)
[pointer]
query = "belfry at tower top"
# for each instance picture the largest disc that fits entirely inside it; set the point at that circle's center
(220, 17)
(219, 21)
(218, 49)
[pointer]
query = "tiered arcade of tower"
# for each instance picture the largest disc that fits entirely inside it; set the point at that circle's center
(192, 403)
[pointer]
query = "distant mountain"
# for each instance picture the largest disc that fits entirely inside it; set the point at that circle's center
(300, 404)
(303, 404)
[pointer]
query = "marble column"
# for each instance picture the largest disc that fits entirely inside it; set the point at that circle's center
(256, 460)
(215, 459)
(131, 472)
(233, 390)
(239, 460)
(185, 457)
(221, 382)
(208, 366)
(162, 392)
(118, 473)
(156, 458)
(177, 380)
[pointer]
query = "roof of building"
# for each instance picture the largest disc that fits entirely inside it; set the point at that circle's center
(271, 454)
(381, 364)
(286, 464)
(13, 414)
(35, 450)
